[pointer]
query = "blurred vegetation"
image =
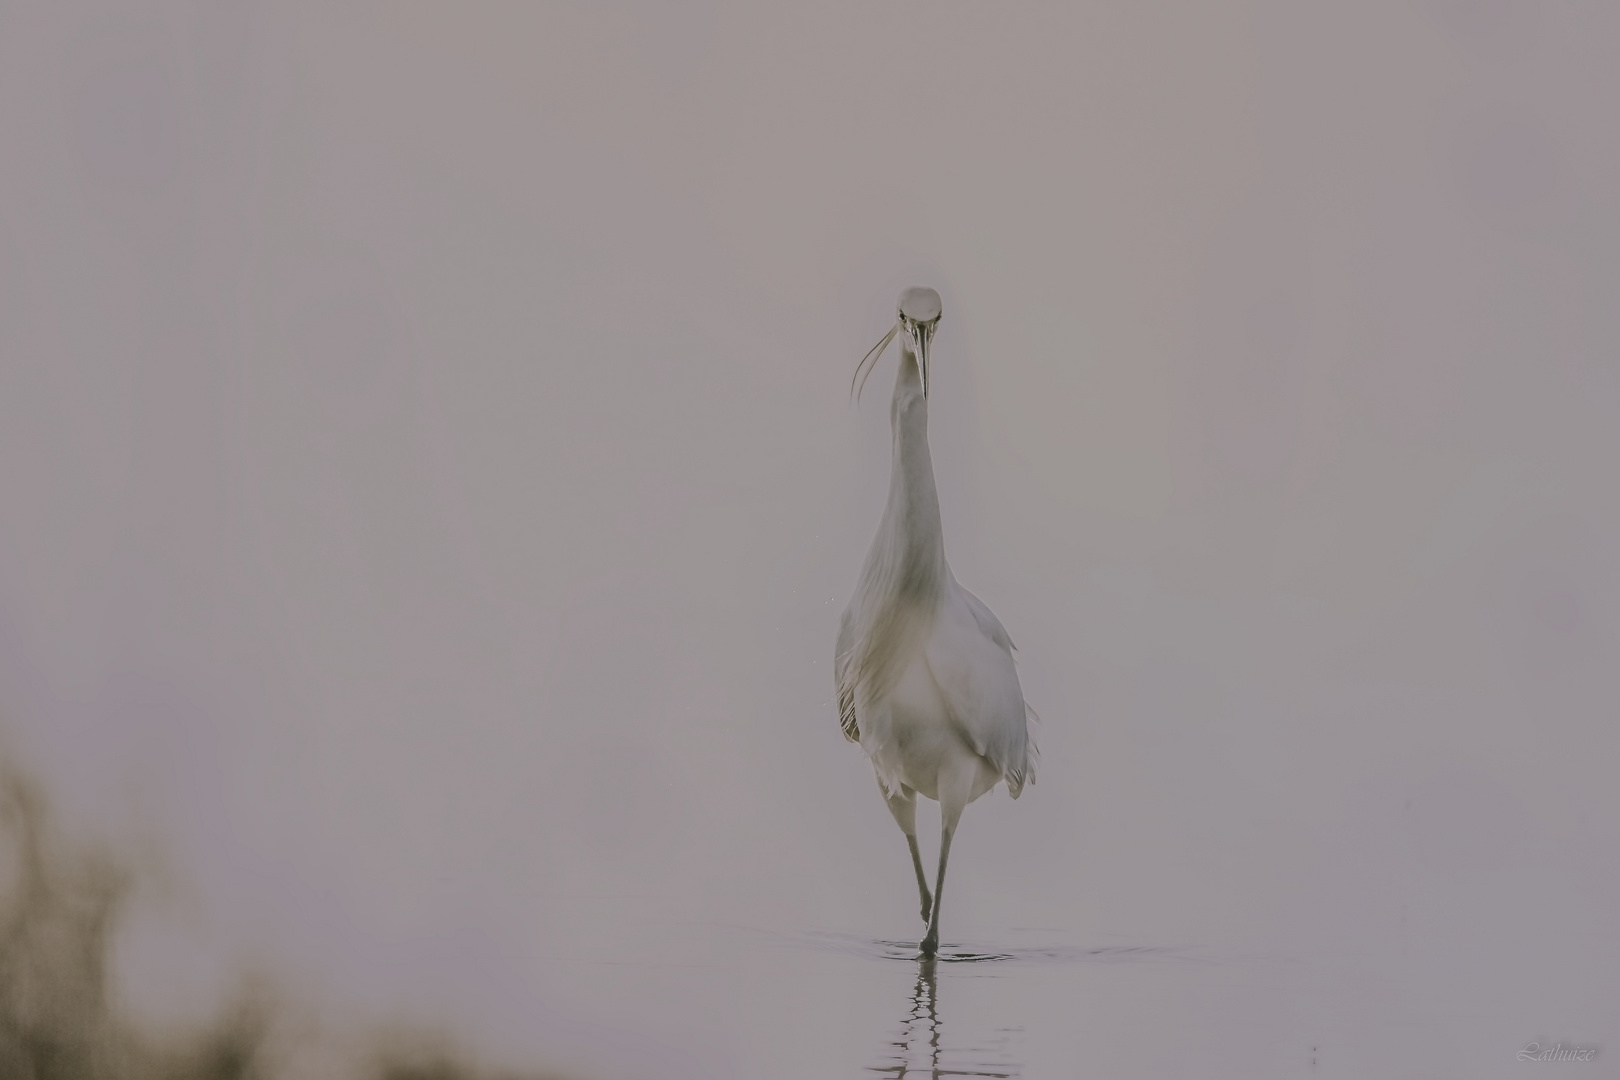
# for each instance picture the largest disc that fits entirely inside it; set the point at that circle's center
(59, 909)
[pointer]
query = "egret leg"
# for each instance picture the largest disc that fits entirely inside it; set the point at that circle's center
(958, 786)
(903, 806)
(930, 943)
(922, 878)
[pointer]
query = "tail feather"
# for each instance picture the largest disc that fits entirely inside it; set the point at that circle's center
(1017, 777)
(846, 713)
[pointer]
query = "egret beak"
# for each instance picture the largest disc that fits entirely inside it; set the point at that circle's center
(923, 334)
(920, 334)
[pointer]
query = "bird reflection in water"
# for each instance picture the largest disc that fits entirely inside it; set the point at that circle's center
(919, 1049)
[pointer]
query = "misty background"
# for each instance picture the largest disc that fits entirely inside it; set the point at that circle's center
(428, 491)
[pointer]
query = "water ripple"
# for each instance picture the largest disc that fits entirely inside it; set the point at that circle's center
(966, 953)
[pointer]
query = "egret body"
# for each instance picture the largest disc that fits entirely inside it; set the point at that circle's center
(926, 682)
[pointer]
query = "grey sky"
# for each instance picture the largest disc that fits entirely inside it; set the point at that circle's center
(428, 488)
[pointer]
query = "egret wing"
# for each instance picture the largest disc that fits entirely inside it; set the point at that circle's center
(844, 675)
(972, 666)
(986, 619)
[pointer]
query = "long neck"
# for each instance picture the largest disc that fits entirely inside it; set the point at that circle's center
(911, 533)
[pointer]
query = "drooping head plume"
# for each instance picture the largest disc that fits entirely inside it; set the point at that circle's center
(919, 317)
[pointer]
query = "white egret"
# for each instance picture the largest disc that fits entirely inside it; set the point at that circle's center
(926, 682)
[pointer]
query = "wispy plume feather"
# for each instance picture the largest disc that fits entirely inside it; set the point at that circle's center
(869, 361)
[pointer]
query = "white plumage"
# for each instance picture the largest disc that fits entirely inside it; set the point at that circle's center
(926, 681)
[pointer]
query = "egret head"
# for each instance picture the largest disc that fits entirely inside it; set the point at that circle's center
(919, 318)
